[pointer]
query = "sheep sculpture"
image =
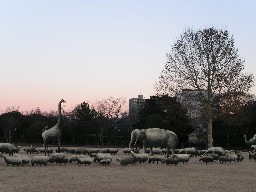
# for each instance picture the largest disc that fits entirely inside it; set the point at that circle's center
(12, 160)
(105, 162)
(42, 150)
(141, 158)
(224, 159)
(8, 148)
(173, 160)
(58, 158)
(84, 160)
(25, 159)
(128, 150)
(39, 160)
(74, 158)
(101, 156)
(126, 160)
(156, 158)
(190, 150)
(183, 158)
(31, 149)
(206, 159)
(217, 150)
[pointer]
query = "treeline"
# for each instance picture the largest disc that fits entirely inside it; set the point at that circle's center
(107, 124)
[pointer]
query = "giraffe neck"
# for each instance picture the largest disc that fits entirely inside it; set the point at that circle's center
(59, 111)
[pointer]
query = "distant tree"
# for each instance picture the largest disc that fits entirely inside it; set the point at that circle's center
(84, 121)
(110, 110)
(10, 121)
(205, 60)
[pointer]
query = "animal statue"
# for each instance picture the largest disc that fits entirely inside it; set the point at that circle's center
(53, 133)
(155, 137)
(251, 141)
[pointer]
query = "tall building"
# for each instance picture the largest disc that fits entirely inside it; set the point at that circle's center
(135, 105)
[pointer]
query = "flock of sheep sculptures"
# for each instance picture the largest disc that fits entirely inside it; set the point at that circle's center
(158, 144)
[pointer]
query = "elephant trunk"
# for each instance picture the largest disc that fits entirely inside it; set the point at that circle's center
(133, 137)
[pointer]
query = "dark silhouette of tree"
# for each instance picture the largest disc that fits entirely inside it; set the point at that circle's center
(205, 60)
(10, 122)
(167, 113)
(84, 122)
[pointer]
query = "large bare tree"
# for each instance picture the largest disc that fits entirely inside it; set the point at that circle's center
(206, 61)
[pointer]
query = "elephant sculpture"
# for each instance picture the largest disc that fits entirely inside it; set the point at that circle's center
(155, 137)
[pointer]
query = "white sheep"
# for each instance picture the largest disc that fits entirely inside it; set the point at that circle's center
(100, 156)
(74, 158)
(58, 158)
(13, 160)
(223, 159)
(105, 162)
(42, 150)
(8, 148)
(94, 150)
(31, 149)
(232, 157)
(24, 158)
(141, 158)
(85, 160)
(190, 150)
(128, 150)
(113, 151)
(217, 150)
(126, 160)
(184, 158)
(206, 158)
(171, 160)
(40, 160)
(80, 150)
(156, 158)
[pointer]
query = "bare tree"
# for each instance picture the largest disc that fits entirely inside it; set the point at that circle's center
(109, 109)
(205, 60)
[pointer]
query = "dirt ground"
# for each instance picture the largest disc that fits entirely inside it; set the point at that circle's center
(193, 176)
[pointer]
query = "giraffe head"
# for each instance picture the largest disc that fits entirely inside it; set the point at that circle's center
(62, 101)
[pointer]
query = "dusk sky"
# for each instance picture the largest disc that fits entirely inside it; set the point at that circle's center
(94, 49)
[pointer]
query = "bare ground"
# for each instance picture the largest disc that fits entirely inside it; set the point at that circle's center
(193, 176)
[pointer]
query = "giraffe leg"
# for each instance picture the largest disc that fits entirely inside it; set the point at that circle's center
(58, 145)
(45, 148)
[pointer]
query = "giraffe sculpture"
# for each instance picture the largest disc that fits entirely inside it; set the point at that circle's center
(53, 133)
(250, 142)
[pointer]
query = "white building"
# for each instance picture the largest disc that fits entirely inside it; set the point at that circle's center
(135, 105)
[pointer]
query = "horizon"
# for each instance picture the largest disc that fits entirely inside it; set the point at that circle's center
(86, 51)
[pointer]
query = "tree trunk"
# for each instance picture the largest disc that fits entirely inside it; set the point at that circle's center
(209, 126)
(209, 106)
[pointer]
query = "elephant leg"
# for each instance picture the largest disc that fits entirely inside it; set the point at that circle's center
(144, 148)
(58, 145)
(151, 151)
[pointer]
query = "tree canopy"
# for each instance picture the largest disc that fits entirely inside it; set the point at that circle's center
(207, 61)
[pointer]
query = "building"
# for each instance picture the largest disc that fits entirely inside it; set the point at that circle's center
(135, 105)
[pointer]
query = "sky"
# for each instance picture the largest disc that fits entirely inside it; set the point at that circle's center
(89, 50)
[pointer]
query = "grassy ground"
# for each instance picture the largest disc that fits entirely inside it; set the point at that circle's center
(193, 176)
